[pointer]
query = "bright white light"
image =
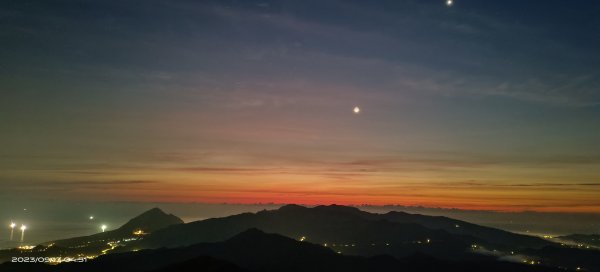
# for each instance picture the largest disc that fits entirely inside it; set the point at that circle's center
(103, 227)
(12, 230)
(23, 228)
(356, 110)
(92, 217)
(449, 2)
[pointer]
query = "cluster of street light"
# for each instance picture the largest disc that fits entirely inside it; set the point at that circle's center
(12, 230)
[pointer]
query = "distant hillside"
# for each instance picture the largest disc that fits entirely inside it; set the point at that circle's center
(491, 235)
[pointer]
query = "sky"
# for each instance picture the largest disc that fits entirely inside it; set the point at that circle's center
(479, 105)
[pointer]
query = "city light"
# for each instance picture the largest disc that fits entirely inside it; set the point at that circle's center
(103, 227)
(26, 247)
(23, 228)
(139, 232)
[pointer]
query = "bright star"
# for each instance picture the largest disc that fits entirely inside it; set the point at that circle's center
(356, 110)
(449, 2)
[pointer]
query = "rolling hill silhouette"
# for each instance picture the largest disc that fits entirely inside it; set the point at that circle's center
(327, 233)
(350, 231)
(398, 234)
(254, 250)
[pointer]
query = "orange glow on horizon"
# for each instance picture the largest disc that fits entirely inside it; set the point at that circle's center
(430, 197)
(367, 182)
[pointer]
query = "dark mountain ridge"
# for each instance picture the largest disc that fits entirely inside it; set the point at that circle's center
(342, 224)
(254, 250)
(338, 230)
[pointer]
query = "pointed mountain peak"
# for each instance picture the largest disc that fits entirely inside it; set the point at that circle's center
(153, 212)
(150, 221)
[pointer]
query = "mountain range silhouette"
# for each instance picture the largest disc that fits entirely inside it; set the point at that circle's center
(321, 238)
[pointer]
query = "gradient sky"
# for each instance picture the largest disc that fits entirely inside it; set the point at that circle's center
(480, 105)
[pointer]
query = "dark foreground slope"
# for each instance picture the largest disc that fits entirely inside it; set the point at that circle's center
(256, 251)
